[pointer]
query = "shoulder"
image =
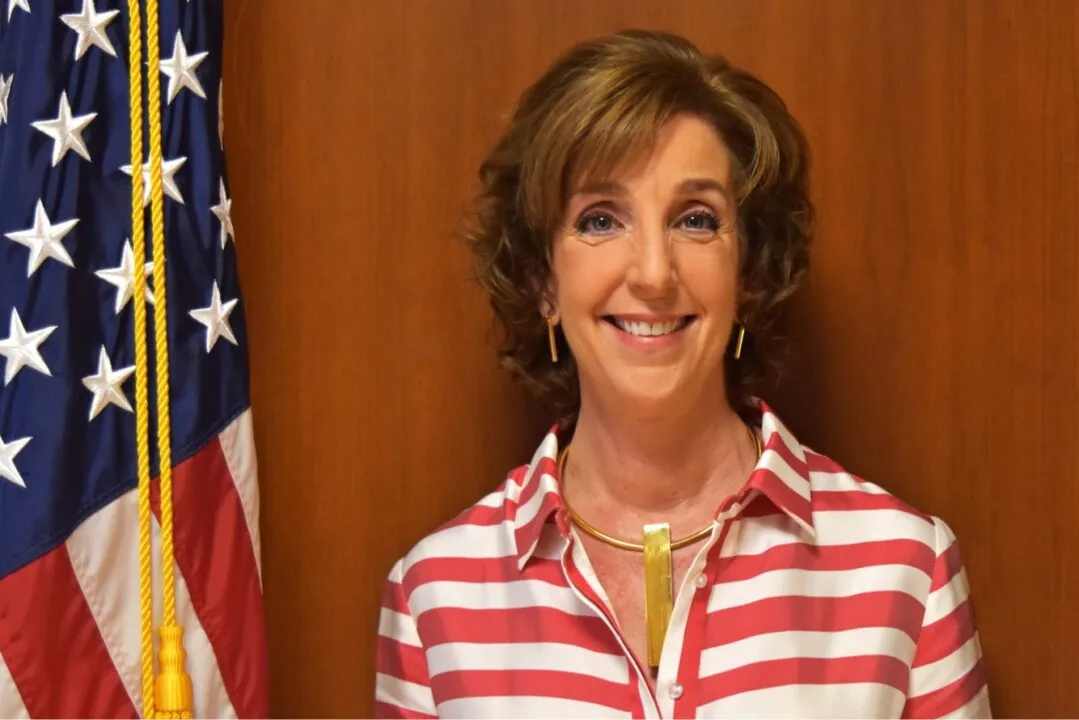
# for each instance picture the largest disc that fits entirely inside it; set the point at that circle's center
(487, 541)
(470, 545)
(850, 509)
(845, 509)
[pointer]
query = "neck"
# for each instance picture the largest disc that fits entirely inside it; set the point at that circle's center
(672, 467)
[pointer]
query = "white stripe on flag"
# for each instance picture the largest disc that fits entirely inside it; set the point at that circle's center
(11, 705)
(104, 556)
(238, 447)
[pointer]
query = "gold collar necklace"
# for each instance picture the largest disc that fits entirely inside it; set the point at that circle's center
(625, 544)
(657, 547)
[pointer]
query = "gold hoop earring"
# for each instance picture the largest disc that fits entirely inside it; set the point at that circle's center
(738, 342)
(551, 341)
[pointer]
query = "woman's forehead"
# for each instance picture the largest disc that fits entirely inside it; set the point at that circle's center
(685, 151)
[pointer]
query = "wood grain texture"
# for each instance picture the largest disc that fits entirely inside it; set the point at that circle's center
(936, 344)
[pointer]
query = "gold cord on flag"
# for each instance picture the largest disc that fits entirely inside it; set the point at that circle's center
(168, 694)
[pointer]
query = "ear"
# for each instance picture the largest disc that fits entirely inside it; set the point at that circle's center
(548, 309)
(742, 297)
(548, 305)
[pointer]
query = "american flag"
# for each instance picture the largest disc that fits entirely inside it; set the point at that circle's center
(69, 586)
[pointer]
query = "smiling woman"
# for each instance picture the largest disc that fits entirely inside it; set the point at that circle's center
(644, 277)
(670, 549)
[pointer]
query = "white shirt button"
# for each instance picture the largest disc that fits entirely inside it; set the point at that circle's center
(701, 581)
(675, 691)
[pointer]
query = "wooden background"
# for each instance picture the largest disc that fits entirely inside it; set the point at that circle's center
(937, 340)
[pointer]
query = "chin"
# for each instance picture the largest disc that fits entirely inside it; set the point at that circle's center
(650, 397)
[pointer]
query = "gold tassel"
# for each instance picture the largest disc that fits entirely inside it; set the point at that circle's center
(172, 688)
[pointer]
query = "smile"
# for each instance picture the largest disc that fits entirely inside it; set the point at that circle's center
(650, 329)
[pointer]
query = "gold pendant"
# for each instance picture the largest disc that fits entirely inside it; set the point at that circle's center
(658, 587)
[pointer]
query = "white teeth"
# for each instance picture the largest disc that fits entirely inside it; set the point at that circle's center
(644, 329)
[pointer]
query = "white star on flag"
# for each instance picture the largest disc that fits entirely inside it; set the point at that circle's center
(180, 69)
(222, 210)
(106, 385)
(21, 348)
(43, 239)
(8, 451)
(90, 25)
(123, 277)
(168, 179)
(12, 4)
(5, 92)
(216, 319)
(65, 131)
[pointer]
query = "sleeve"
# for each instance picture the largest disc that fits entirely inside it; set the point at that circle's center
(402, 684)
(948, 676)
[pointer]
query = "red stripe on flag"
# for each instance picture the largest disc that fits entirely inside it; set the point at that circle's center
(214, 552)
(53, 647)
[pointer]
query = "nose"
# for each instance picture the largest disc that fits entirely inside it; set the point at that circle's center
(651, 273)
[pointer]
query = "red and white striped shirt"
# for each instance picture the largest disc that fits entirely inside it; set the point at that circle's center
(817, 594)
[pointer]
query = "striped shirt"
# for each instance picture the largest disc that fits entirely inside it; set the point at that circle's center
(817, 594)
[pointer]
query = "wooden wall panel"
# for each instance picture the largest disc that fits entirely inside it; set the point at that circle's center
(936, 343)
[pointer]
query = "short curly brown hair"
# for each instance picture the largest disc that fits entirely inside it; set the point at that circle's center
(602, 101)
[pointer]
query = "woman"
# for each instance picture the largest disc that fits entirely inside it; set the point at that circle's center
(671, 550)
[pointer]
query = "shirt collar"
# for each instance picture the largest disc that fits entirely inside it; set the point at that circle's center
(537, 497)
(781, 475)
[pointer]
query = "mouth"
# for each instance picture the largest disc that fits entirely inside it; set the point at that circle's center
(646, 329)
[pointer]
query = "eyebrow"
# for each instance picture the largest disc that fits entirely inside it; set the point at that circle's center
(688, 186)
(601, 187)
(695, 185)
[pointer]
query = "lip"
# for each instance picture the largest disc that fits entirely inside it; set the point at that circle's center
(652, 343)
(649, 318)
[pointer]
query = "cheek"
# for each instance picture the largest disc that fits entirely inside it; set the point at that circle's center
(710, 276)
(587, 274)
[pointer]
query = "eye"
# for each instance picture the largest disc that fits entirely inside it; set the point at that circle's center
(700, 221)
(596, 222)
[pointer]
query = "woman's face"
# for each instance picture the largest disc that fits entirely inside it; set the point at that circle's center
(645, 275)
